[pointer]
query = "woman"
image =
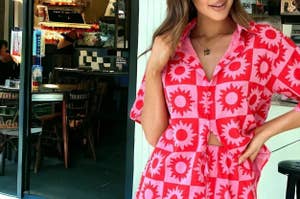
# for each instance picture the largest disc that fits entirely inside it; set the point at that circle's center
(205, 97)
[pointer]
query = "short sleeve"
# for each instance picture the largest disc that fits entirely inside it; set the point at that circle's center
(136, 109)
(286, 70)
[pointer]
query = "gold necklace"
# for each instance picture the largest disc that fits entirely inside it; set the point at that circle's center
(206, 51)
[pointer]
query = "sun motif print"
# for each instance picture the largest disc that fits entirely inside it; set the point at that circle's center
(259, 62)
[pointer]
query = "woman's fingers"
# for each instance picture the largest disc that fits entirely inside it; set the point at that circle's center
(160, 53)
(254, 155)
(246, 155)
(251, 152)
(253, 148)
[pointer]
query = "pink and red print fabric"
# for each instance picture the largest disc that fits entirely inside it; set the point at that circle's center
(260, 61)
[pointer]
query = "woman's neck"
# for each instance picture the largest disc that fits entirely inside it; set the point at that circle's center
(209, 28)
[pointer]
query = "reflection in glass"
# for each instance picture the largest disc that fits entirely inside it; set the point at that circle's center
(8, 140)
(9, 95)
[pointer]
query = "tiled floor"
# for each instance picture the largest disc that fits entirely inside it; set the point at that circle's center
(86, 179)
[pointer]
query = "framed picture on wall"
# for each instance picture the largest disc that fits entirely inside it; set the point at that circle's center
(290, 7)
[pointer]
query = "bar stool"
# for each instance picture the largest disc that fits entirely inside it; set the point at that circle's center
(291, 168)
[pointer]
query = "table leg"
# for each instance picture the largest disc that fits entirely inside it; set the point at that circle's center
(65, 134)
(2, 163)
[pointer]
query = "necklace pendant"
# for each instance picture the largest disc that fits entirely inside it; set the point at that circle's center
(206, 51)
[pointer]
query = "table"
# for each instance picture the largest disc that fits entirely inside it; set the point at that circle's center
(52, 96)
(14, 132)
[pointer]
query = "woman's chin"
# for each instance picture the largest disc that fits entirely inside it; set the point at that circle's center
(218, 17)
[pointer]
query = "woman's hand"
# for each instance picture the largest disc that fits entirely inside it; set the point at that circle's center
(6, 58)
(253, 148)
(160, 54)
(285, 122)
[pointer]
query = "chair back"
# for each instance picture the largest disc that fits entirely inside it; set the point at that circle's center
(9, 106)
(97, 99)
(77, 104)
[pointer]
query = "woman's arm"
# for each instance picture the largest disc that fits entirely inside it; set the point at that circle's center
(285, 122)
(154, 117)
(284, 80)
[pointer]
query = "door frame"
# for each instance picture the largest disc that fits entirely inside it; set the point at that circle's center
(24, 99)
(133, 46)
(23, 182)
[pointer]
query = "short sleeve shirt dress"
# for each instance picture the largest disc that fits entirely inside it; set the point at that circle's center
(259, 62)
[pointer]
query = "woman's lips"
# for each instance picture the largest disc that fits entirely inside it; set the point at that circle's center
(218, 6)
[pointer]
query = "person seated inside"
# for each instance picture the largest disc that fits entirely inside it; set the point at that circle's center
(9, 68)
(66, 44)
(62, 54)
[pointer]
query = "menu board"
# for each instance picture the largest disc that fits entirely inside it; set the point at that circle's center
(68, 16)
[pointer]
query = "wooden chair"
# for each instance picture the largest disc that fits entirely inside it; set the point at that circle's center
(48, 117)
(95, 108)
(9, 127)
(8, 123)
(78, 118)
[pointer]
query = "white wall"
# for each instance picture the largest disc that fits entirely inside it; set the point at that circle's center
(151, 14)
(6, 21)
(18, 13)
(272, 183)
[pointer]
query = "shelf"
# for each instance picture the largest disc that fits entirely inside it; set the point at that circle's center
(263, 16)
(92, 73)
(296, 38)
(64, 4)
(291, 14)
(66, 25)
(99, 47)
(111, 19)
(290, 19)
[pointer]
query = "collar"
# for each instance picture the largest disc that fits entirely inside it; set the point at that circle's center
(187, 30)
(191, 25)
(250, 29)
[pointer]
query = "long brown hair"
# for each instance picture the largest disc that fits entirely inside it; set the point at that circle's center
(181, 12)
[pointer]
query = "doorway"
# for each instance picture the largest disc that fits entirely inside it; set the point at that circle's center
(113, 168)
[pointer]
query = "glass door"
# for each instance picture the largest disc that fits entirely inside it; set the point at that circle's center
(15, 98)
(9, 104)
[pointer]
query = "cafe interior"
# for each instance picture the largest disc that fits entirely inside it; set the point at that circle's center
(79, 98)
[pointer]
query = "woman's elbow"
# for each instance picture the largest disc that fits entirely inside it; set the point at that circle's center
(152, 132)
(151, 137)
(151, 140)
